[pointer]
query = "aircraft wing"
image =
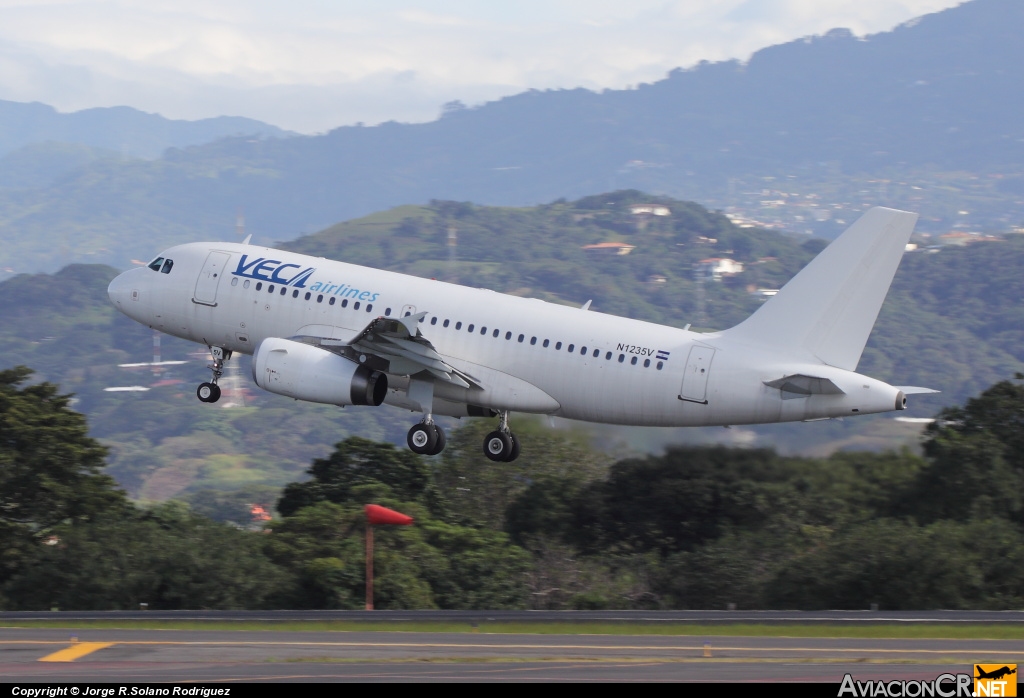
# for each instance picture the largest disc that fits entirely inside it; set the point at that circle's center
(396, 346)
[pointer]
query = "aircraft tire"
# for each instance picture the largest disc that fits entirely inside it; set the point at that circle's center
(497, 446)
(208, 392)
(442, 440)
(514, 451)
(422, 439)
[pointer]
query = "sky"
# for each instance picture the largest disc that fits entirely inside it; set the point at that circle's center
(313, 65)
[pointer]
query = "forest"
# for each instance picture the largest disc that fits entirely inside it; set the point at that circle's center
(569, 527)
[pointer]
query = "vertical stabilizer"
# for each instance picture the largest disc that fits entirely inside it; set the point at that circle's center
(828, 309)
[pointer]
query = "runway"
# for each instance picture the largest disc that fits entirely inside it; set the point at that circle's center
(189, 656)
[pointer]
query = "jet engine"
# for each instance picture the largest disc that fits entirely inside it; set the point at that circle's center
(305, 372)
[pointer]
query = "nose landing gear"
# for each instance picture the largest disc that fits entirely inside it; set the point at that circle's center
(210, 392)
(502, 445)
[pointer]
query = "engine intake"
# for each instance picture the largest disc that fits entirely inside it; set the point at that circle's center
(305, 372)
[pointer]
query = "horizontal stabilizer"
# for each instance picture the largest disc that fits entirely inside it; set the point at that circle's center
(914, 390)
(799, 385)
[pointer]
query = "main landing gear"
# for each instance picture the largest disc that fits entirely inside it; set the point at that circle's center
(502, 445)
(426, 438)
(210, 392)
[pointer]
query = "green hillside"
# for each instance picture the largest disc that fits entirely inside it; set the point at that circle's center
(952, 322)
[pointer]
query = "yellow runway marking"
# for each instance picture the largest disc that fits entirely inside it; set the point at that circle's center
(76, 651)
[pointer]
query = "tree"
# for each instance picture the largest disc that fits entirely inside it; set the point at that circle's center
(356, 462)
(50, 468)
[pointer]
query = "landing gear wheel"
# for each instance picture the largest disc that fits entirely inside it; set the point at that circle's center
(422, 439)
(497, 446)
(208, 392)
(441, 440)
(514, 452)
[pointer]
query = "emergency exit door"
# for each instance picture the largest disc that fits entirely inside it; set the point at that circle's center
(695, 380)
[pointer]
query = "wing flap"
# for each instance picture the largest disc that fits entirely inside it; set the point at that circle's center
(397, 346)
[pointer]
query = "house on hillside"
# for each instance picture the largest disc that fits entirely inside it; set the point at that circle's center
(714, 268)
(609, 248)
(649, 210)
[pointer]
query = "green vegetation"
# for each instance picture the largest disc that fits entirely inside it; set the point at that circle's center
(952, 321)
(565, 527)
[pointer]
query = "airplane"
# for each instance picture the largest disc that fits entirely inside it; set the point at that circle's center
(336, 333)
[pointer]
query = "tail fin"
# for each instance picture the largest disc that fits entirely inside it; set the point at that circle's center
(829, 308)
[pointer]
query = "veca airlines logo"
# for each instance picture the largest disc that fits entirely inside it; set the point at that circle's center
(995, 680)
(274, 271)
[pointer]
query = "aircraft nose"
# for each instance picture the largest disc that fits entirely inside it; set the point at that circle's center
(120, 290)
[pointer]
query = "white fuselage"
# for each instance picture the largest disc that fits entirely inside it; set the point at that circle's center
(528, 355)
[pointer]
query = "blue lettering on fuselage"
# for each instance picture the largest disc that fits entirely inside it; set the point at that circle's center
(274, 271)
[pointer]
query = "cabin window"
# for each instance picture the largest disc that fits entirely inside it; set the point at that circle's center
(284, 291)
(470, 328)
(533, 340)
(369, 309)
(521, 338)
(245, 284)
(633, 361)
(308, 295)
(622, 357)
(320, 298)
(295, 293)
(571, 348)
(156, 264)
(546, 343)
(495, 335)
(458, 325)
(331, 302)
(270, 288)
(234, 281)
(259, 285)
(433, 320)
(647, 363)
(445, 323)
(355, 306)
(608, 356)
(168, 265)
(597, 353)
(508, 335)
(344, 302)
(660, 364)
(583, 351)
(483, 330)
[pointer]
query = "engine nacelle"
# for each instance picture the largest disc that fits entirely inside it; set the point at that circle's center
(305, 372)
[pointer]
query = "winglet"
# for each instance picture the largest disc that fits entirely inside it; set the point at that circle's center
(412, 322)
(247, 239)
(586, 306)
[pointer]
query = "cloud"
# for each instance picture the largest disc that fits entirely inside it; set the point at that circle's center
(341, 61)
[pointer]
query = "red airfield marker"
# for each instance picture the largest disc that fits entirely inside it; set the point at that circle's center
(377, 515)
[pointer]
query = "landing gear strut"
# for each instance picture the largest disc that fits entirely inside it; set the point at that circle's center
(426, 438)
(502, 445)
(210, 392)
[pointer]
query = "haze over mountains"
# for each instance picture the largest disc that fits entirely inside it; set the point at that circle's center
(805, 135)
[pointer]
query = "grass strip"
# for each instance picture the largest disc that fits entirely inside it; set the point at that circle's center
(967, 631)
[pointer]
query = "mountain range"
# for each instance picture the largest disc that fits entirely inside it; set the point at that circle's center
(802, 136)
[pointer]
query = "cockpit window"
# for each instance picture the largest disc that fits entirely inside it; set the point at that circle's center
(155, 264)
(168, 265)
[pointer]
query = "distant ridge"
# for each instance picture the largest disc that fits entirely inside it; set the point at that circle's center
(122, 130)
(923, 118)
